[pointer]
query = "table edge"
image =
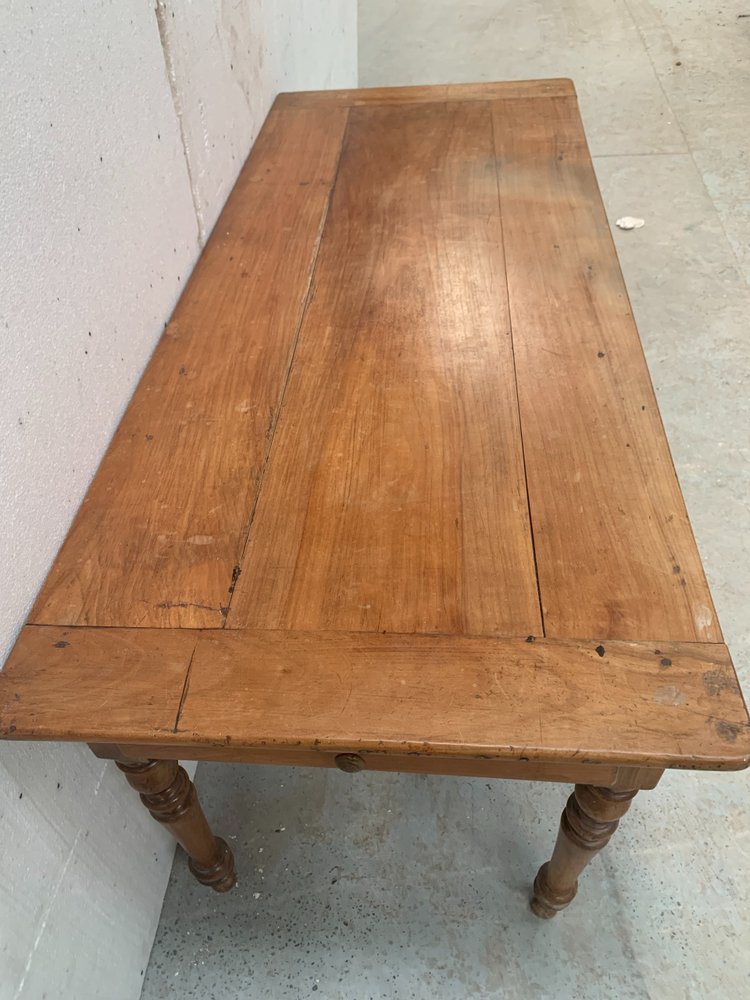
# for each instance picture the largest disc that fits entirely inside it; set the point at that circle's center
(66, 684)
(428, 93)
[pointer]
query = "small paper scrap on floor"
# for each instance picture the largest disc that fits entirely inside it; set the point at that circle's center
(630, 222)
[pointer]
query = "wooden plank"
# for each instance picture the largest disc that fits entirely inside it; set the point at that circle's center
(162, 527)
(615, 552)
(370, 96)
(674, 705)
(394, 498)
(553, 701)
(603, 776)
(671, 705)
(61, 682)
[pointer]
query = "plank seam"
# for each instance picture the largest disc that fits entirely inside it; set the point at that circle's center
(287, 375)
(490, 636)
(515, 373)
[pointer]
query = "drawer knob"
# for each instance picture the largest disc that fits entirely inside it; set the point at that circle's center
(349, 762)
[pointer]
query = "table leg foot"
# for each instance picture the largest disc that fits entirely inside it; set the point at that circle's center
(589, 819)
(170, 797)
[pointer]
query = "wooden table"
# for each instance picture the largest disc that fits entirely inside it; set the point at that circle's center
(393, 492)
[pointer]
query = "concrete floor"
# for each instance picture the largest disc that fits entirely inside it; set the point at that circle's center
(402, 886)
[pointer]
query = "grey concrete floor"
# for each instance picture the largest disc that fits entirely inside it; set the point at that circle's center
(402, 886)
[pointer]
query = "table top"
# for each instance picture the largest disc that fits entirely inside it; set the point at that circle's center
(395, 477)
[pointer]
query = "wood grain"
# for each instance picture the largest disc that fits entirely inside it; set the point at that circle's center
(394, 495)
(394, 498)
(615, 552)
(60, 682)
(162, 528)
(619, 703)
(566, 772)
(503, 698)
(370, 96)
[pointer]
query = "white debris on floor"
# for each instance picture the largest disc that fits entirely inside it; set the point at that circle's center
(630, 222)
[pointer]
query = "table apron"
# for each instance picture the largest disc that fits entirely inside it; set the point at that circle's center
(601, 775)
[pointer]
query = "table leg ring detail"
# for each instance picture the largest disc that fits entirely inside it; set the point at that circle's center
(220, 875)
(171, 798)
(588, 821)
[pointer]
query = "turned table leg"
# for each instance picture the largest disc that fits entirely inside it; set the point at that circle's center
(170, 797)
(588, 821)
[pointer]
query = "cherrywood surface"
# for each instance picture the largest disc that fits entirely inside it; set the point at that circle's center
(161, 531)
(62, 681)
(399, 424)
(615, 553)
(450, 92)
(394, 498)
(554, 701)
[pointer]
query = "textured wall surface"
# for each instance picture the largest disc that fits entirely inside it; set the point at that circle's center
(123, 129)
(228, 60)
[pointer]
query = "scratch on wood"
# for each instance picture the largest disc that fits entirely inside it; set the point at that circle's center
(167, 605)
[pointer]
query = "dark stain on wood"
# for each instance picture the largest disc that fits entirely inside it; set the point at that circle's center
(728, 731)
(717, 681)
(235, 577)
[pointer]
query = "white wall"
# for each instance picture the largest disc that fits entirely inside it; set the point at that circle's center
(228, 60)
(122, 130)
